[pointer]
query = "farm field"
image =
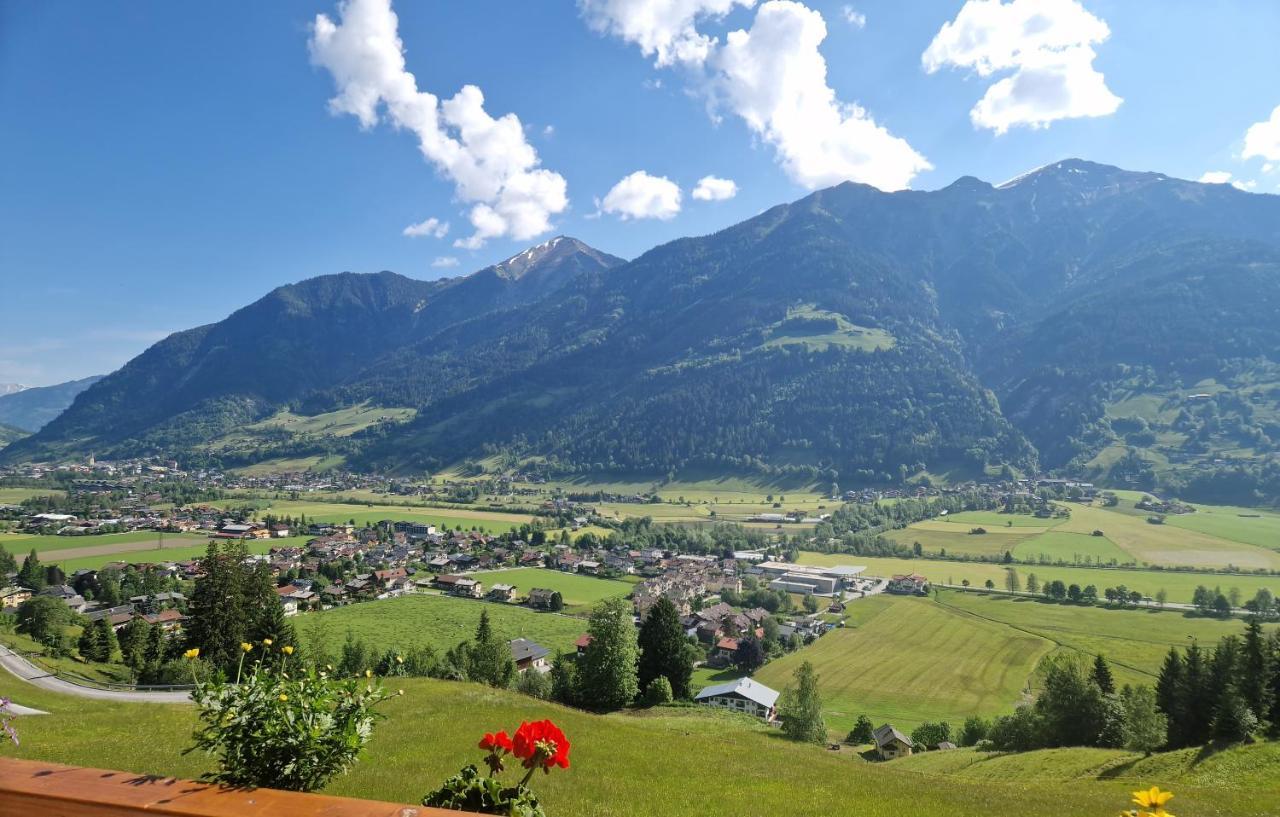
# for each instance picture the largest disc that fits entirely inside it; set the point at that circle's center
(72, 546)
(440, 622)
(910, 660)
(401, 765)
(1216, 537)
(1180, 585)
(577, 590)
(451, 518)
(168, 554)
(12, 496)
(1135, 641)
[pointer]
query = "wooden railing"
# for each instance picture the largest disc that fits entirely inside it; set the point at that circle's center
(35, 788)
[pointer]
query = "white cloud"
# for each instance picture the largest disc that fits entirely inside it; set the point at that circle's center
(711, 188)
(664, 29)
(493, 168)
(433, 227)
(1048, 47)
(445, 261)
(774, 77)
(643, 196)
(853, 17)
(1263, 139)
(1224, 177)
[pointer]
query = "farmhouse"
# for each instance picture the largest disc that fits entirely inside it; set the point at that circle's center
(541, 598)
(891, 743)
(468, 588)
(742, 695)
(529, 655)
(502, 592)
(907, 585)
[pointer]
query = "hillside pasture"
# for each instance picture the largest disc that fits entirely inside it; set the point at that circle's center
(914, 661)
(468, 519)
(993, 520)
(1166, 544)
(1250, 526)
(1054, 545)
(74, 547)
(661, 761)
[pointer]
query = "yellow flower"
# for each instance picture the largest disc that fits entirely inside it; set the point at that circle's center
(246, 646)
(399, 660)
(284, 697)
(1153, 801)
(194, 652)
(368, 673)
(266, 642)
(287, 650)
(399, 691)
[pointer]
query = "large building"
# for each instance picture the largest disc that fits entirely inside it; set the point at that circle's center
(742, 695)
(808, 579)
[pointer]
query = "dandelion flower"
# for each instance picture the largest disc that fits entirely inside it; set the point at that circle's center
(194, 652)
(246, 646)
(284, 697)
(287, 650)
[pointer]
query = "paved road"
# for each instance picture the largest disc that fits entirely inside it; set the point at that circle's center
(32, 674)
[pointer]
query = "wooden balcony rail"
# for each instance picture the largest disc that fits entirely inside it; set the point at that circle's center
(29, 788)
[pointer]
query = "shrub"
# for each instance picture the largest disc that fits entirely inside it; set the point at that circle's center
(658, 692)
(862, 732)
(280, 726)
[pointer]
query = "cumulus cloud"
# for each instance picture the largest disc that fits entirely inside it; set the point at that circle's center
(433, 227)
(773, 76)
(712, 188)
(1263, 139)
(492, 166)
(853, 17)
(445, 261)
(664, 29)
(640, 195)
(1225, 177)
(1046, 45)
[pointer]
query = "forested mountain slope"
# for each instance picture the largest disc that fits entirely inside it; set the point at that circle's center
(853, 334)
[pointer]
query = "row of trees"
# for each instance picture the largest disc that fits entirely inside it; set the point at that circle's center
(1227, 693)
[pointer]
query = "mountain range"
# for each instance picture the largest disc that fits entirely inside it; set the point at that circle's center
(29, 408)
(1094, 321)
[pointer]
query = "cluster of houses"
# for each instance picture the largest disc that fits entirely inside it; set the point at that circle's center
(158, 609)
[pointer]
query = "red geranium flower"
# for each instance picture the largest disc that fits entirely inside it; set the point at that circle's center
(492, 743)
(541, 743)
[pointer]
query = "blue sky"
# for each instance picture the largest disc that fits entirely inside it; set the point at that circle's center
(166, 163)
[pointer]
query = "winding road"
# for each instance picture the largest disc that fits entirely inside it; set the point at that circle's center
(25, 670)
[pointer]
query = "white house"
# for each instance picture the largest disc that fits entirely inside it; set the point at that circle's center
(742, 695)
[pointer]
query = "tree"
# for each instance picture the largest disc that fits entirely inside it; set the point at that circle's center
(1233, 721)
(1011, 582)
(564, 680)
(749, 656)
(105, 640)
(1194, 707)
(663, 650)
(7, 563)
(133, 643)
(32, 574)
(1169, 696)
(975, 729)
(931, 734)
(1256, 669)
(1146, 727)
(1070, 705)
(607, 675)
(801, 708)
(87, 645)
(810, 604)
(488, 658)
(1102, 676)
(862, 732)
(557, 602)
(219, 617)
(266, 611)
(1033, 585)
(43, 617)
(989, 584)
(1162, 597)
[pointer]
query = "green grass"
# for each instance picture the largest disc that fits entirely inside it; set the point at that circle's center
(1167, 544)
(995, 519)
(943, 536)
(672, 762)
(1070, 547)
(451, 518)
(577, 590)
(437, 621)
(12, 496)
(19, 544)
(1180, 585)
(340, 423)
(819, 329)
(910, 660)
(1251, 526)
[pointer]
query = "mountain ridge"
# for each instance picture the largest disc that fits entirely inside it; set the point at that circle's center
(854, 333)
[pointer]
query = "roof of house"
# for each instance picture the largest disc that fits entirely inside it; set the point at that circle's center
(583, 641)
(887, 734)
(727, 644)
(747, 688)
(522, 649)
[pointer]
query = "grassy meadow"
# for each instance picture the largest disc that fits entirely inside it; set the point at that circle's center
(670, 762)
(440, 622)
(467, 519)
(1180, 584)
(21, 543)
(577, 589)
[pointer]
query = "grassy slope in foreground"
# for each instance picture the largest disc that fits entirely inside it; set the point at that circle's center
(671, 762)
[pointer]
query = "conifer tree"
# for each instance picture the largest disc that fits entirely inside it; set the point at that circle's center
(105, 640)
(488, 658)
(1169, 697)
(1102, 676)
(663, 649)
(32, 574)
(1256, 670)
